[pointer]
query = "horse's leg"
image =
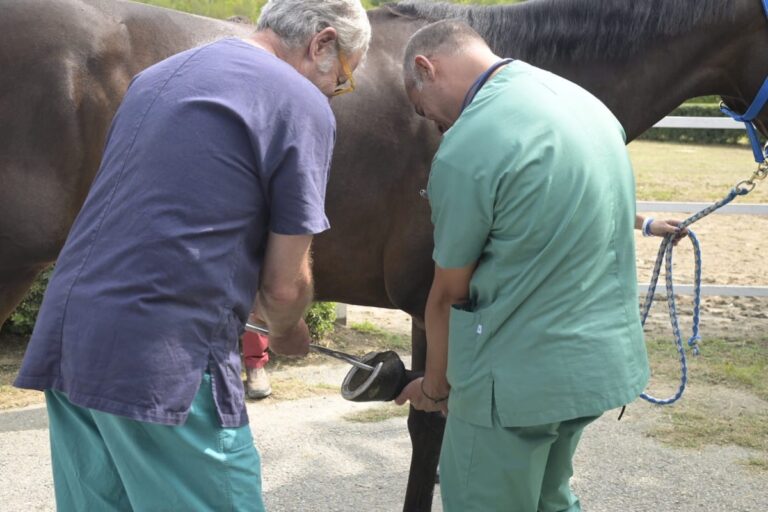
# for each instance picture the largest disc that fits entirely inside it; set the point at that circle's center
(426, 430)
(35, 214)
(14, 286)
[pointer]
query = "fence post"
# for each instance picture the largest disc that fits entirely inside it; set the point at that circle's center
(341, 313)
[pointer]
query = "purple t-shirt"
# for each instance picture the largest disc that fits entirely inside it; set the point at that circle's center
(210, 150)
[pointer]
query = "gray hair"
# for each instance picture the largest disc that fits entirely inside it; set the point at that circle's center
(447, 37)
(297, 21)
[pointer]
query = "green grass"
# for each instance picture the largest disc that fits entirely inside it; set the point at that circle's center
(726, 402)
(384, 339)
(382, 412)
(741, 365)
(699, 422)
(757, 463)
(688, 172)
(366, 328)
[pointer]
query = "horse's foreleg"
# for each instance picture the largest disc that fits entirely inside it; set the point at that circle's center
(426, 430)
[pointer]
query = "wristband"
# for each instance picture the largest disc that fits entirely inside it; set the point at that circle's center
(434, 400)
(647, 227)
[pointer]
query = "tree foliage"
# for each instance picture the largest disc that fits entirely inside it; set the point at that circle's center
(213, 8)
(250, 8)
(22, 320)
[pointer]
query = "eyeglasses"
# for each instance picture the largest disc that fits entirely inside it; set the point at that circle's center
(348, 84)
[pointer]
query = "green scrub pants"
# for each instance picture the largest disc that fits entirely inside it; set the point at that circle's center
(503, 469)
(102, 462)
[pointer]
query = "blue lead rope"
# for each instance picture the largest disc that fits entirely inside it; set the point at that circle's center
(665, 254)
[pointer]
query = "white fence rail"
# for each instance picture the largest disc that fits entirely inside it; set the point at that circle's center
(704, 123)
(732, 209)
(729, 209)
(707, 290)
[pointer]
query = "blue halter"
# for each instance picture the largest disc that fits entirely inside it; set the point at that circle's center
(752, 112)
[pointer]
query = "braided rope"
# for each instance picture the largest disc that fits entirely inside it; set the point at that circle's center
(665, 254)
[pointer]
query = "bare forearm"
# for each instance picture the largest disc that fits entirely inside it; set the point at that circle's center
(285, 290)
(282, 310)
(449, 286)
(437, 318)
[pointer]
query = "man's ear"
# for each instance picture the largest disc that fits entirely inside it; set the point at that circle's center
(323, 43)
(424, 68)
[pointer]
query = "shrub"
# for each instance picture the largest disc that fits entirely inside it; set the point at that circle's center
(320, 319)
(696, 136)
(705, 99)
(22, 320)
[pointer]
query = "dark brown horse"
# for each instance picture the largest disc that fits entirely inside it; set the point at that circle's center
(66, 63)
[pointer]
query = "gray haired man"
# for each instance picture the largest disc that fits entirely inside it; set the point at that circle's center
(211, 187)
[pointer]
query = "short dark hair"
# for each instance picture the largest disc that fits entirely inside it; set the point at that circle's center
(444, 37)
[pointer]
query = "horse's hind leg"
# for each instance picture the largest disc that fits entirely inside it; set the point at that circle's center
(13, 286)
(426, 430)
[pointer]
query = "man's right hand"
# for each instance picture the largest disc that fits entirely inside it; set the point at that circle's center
(294, 343)
(285, 292)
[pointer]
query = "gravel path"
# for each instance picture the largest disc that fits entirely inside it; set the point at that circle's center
(317, 460)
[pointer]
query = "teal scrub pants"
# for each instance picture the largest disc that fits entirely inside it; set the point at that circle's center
(503, 469)
(102, 462)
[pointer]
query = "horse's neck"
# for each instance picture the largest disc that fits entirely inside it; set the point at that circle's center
(662, 74)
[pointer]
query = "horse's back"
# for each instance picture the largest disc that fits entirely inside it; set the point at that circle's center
(66, 65)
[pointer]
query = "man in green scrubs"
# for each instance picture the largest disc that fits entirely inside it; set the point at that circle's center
(532, 321)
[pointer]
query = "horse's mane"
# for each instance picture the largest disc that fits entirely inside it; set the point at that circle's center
(576, 29)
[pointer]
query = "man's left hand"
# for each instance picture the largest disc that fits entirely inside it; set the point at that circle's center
(413, 393)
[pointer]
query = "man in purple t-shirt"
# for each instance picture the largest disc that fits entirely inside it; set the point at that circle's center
(211, 186)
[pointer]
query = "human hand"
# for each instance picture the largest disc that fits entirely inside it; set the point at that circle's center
(414, 392)
(664, 227)
(294, 343)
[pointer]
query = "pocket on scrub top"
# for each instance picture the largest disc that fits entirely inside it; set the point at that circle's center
(463, 331)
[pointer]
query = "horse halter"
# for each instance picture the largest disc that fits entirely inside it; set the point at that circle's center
(748, 117)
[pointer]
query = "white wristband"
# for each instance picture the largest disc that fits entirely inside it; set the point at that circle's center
(647, 226)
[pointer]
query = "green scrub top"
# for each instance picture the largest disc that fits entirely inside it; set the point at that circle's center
(533, 182)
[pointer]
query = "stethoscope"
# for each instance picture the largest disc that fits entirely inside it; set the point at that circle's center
(480, 82)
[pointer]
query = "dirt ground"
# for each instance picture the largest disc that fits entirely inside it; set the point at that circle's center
(732, 254)
(353, 464)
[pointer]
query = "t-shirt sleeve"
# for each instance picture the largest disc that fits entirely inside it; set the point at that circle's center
(462, 214)
(299, 178)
